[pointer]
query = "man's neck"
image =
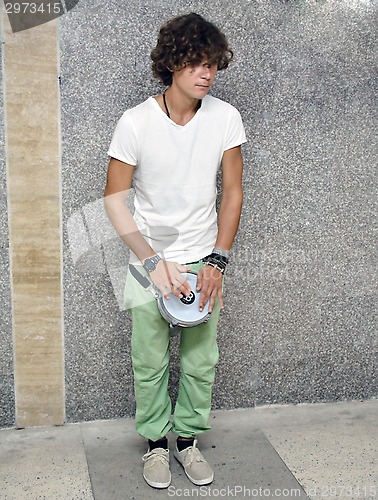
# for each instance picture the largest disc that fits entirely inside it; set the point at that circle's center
(181, 107)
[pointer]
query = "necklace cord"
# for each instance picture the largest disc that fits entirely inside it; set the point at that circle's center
(165, 105)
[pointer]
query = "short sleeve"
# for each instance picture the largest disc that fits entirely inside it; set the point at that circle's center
(235, 130)
(124, 144)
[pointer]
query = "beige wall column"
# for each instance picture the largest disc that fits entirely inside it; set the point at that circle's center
(31, 99)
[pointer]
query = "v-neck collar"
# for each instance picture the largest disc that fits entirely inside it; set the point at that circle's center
(156, 104)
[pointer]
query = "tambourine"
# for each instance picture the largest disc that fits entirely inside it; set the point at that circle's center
(184, 312)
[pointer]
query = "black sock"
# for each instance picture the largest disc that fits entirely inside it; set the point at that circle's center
(161, 443)
(184, 443)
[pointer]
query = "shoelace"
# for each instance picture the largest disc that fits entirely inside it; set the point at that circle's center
(194, 454)
(156, 455)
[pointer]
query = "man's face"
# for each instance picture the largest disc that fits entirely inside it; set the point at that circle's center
(195, 81)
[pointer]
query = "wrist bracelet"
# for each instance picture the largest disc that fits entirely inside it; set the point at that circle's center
(216, 261)
(216, 266)
(218, 257)
(222, 252)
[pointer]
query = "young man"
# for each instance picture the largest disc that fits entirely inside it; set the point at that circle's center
(171, 147)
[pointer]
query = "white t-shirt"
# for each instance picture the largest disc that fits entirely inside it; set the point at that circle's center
(175, 173)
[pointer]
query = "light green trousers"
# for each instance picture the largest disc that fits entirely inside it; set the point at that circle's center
(150, 358)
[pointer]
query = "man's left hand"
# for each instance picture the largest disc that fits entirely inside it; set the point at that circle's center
(209, 282)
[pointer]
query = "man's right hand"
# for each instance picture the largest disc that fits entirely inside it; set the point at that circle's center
(168, 279)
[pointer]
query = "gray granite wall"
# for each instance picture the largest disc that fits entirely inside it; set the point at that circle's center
(6, 348)
(300, 321)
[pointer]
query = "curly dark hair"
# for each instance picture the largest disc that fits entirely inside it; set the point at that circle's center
(188, 40)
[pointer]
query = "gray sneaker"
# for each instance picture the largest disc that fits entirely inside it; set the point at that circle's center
(156, 468)
(195, 466)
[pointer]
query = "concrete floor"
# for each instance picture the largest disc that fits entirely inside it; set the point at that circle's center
(317, 451)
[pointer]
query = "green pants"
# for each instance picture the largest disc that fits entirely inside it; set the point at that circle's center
(150, 358)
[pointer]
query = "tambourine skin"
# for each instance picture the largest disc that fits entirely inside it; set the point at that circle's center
(184, 312)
